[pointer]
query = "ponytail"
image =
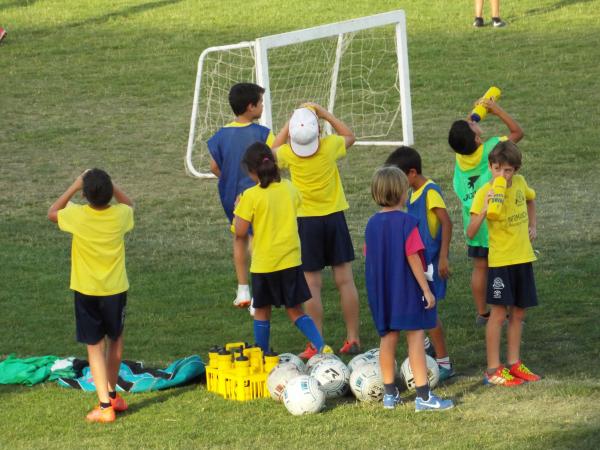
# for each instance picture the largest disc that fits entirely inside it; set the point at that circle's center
(260, 160)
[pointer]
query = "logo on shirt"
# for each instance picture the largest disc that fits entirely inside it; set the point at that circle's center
(519, 198)
(497, 286)
(472, 181)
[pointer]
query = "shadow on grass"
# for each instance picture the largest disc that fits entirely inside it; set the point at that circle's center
(160, 397)
(550, 8)
(582, 437)
(17, 4)
(122, 13)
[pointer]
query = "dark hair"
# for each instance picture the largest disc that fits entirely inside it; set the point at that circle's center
(97, 187)
(461, 138)
(243, 94)
(506, 152)
(405, 158)
(259, 160)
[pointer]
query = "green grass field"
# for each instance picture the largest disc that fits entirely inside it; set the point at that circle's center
(110, 84)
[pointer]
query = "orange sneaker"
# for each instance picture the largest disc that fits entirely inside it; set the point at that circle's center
(501, 377)
(519, 370)
(309, 352)
(118, 404)
(350, 348)
(98, 414)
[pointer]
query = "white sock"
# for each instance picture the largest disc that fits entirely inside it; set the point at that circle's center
(444, 362)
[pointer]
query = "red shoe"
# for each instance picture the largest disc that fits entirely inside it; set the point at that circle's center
(309, 352)
(118, 404)
(519, 370)
(3, 33)
(100, 415)
(502, 377)
(350, 348)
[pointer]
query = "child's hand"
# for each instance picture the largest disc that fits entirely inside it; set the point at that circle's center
(491, 106)
(532, 232)
(78, 183)
(444, 268)
(319, 110)
(488, 197)
(429, 299)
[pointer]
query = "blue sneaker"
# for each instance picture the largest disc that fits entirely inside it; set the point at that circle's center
(390, 401)
(446, 373)
(433, 404)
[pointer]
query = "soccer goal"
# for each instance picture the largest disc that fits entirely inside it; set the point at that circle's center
(357, 69)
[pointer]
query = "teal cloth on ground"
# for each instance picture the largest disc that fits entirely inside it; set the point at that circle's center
(134, 377)
(34, 370)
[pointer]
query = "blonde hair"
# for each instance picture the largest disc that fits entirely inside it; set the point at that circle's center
(389, 185)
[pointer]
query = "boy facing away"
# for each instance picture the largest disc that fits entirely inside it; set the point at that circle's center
(426, 203)
(470, 173)
(227, 147)
(511, 285)
(98, 278)
(324, 235)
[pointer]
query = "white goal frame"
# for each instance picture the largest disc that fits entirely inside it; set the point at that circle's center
(261, 47)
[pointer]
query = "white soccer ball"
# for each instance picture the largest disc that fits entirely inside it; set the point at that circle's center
(295, 360)
(279, 377)
(303, 395)
(316, 359)
(366, 382)
(433, 373)
(363, 358)
(373, 351)
(333, 376)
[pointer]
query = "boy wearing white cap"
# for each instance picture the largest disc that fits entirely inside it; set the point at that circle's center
(324, 235)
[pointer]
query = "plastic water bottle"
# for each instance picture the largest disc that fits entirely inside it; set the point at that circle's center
(497, 201)
(480, 111)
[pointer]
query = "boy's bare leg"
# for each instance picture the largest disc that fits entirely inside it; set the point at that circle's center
(97, 361)
(493, 331)
(387, 356)
(114, 356)
(495, 8)
(479, 284)
(344, 281)
(513, 335)
(314, 306)
(478, 8)
(416, 356)
(438, 340)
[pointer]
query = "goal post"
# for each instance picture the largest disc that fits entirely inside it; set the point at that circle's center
(357, 69)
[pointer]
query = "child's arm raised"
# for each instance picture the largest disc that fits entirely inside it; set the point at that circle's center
(477, 217)
(281, 138)
(62, 201)
(340, 127)
(416, 265)
(446, 224)
(120, 196)
(516, 132)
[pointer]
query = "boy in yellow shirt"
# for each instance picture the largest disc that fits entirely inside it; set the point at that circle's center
(511, 285)
(98, 278)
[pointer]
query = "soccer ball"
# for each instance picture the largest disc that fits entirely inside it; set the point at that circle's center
(303, 395)
(312, 362)
(373, 351)
(295, 360)
(363, 358)
(366, 383)
(433, 373)
(333, 376)
(279, 377)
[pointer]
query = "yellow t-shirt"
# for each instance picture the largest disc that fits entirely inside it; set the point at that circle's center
(509, 236)
(272, 212)
(317, 176)
(433, 200)
(98, 248)
(270, 138)
(468, 162)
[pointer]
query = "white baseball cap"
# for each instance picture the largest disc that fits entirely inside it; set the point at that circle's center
(304, 132)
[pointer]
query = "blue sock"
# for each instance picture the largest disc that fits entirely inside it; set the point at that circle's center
(262, 332)
(308, 328)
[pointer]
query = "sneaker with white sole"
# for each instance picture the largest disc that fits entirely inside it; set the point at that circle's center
(434, 403)
(391, 400)
(446, 373)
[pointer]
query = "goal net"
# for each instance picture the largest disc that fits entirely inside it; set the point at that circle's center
(357, 69)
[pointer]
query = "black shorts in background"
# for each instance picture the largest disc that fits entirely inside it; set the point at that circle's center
(325, 241)
(285, 287)
(474, 251)
(99, 316)
(512, 286)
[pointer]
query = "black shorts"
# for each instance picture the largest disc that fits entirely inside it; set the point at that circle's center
(325, 241)
(99, 316)
(285, 287)
(512, 286)
(477, 252)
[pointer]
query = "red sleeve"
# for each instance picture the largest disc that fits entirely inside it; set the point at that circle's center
(365, 249)
(414, 244)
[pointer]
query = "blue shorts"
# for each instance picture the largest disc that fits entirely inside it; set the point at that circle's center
(99, 316)
(477, 252)
(285, 287)
(512, 286)
(325, 241)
